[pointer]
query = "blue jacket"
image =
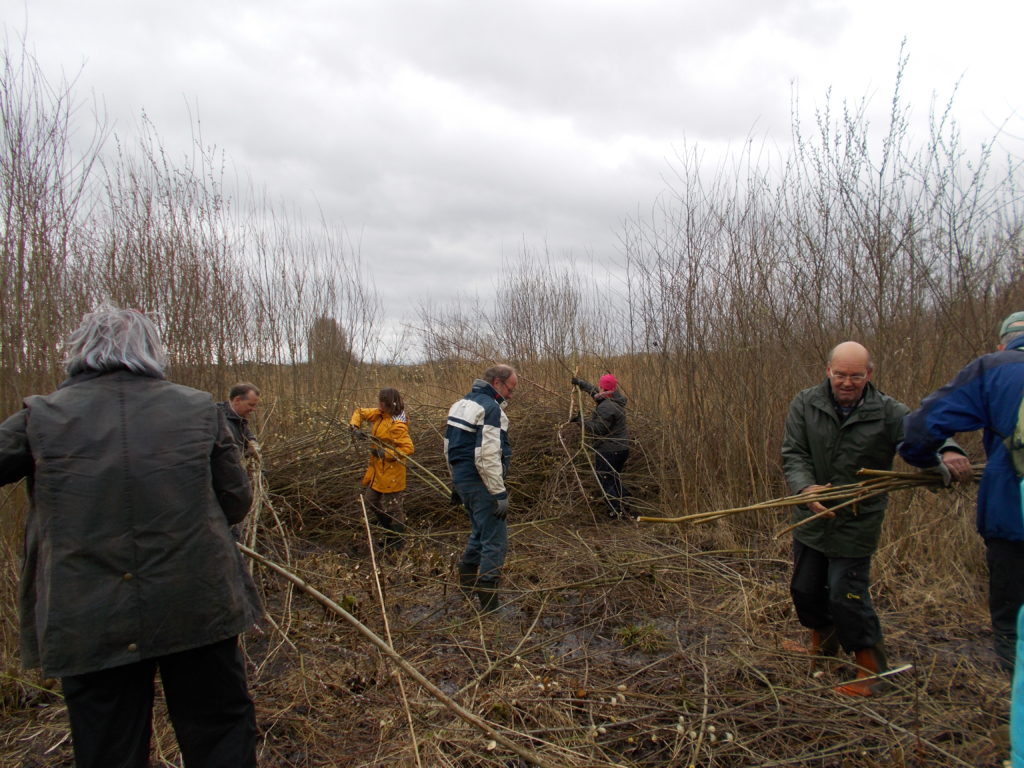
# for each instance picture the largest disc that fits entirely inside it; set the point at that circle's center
(986, 394)
(476, 443)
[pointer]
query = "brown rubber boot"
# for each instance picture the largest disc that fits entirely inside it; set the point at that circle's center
(870, 661)
(823, 642)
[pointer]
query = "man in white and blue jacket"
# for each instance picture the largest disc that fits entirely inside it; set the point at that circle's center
(986, 394)
(477, 451)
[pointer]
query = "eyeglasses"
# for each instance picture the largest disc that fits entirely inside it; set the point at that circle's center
(853, 378)
(509, 390)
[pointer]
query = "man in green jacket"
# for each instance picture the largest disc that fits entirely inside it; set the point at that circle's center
(833, 430)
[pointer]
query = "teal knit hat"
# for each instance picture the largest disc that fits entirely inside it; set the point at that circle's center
(1014, 322)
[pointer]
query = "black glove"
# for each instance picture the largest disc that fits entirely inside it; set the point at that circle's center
(455, 500)
(578, 382)
(378, 452)
(357, 433)
(574, 419)
(501, 509)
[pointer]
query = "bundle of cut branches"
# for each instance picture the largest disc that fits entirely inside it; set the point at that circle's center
(877, 483)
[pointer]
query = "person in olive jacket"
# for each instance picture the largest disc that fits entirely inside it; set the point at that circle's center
(609, 439)
(129, 566)
(385, 474)
(834, 429)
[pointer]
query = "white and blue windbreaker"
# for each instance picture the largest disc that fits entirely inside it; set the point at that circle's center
(476, 443)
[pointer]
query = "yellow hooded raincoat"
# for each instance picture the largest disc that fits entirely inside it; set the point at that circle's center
(387, 474)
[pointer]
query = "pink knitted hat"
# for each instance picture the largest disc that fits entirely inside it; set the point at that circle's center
(608, 383)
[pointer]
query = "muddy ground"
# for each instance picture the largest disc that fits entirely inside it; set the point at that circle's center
(617, 645)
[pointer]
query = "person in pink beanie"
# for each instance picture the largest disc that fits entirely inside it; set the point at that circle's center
(609, 440)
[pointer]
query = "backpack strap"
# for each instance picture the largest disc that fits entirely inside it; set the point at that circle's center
(1014, 442)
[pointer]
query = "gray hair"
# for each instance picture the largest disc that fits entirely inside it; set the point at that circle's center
(501, 372)
(110, 339)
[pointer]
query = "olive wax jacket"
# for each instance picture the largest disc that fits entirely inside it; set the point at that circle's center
(132, 483)
(817, 450)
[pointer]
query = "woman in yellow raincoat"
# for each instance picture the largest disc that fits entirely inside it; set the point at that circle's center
(385, 475)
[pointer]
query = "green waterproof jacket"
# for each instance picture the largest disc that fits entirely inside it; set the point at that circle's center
(817, 450)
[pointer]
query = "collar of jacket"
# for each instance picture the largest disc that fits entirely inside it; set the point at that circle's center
(78, 378)
(869, 406)
(481, 386)
(230, 413)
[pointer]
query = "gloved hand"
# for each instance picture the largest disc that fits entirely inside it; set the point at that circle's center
(942, 471)
(455, 500)
(501, 508)
(253, 449)
(378, 452)
(577, 382)
(574, 419)
(357, 433)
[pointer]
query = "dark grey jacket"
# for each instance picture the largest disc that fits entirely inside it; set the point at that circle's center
(239, 427)
(607, 426)
(132, 483)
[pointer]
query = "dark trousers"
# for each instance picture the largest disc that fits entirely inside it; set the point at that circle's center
(608, 465)
(833, 591)
(1005, 595)
(390, 515)
(207, 700)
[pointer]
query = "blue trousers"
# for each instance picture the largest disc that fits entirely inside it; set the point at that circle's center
(488, 538)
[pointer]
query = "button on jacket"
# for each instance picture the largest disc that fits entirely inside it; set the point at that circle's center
(132, 482)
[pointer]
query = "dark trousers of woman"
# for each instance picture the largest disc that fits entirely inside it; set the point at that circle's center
(608, 465)
(833, 591)
(207, 699)
(390, 516)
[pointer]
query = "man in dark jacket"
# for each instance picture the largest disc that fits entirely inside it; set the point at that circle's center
(834, 429)
(243, 399)
(986, 394)
(129, 564)
(477, 451)
(609, 439)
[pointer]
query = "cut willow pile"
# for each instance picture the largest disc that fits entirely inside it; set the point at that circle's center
(620, 644)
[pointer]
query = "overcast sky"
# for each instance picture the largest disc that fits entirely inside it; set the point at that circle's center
(443, 135)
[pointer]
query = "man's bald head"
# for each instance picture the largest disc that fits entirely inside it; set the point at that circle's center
(849, 370)
(851, 351)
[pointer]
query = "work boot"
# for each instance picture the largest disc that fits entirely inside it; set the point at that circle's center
(870, 662)
(487, 594)
(467, 578)
(823, 642)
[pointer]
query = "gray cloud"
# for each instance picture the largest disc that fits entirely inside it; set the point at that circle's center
(452, 132)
